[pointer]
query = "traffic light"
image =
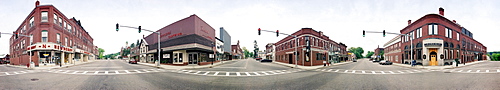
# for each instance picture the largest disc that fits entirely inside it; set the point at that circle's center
(140, 29)
(363, 33)
(117, 27)
(277, 33)
(0, 34)
(259, 31)
(16, 34)
(383, 33)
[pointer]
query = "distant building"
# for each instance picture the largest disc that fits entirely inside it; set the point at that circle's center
(270, 52)
(219, 45)
(437, 41)
(4, 58)
(55, 38)
(322, 49)
(187, 41)
(237, 52)
(226, 39)
(377, 53)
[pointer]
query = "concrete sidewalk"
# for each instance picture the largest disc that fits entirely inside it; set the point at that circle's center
(439, 67)
(49, 66)
(188, 66)
(310, 67)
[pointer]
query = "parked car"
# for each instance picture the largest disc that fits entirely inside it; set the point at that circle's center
(385, 62)
(258, 58)
(266, 60)
(354, 60)
(375, 61)
(132, 61)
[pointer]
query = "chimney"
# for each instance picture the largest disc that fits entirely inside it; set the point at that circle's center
(320, 33)
(409, 22)
(37, 3)
(441, 11)
(454, 21)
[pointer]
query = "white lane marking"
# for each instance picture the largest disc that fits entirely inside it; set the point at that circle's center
(337, 70)
(353, 71)
(127, 71)
(323, 70)
(345, 71)
(330, 70)
(138, 71)
(238, 74)
(272, 72)
(266, 73)
(460, 70)
(400, 72)
(487, 70)
(85, 72)
(75, 72)
(382, 72)
(16, 72)
(149, 71)
(478, 70)
(373, 72)
(469, 70)
(227, 73)
(66, 71)
(197, 72)
(23, 72)
(189, 71)
(256, 73)
(498, 70)
(248, 74)
(363, 71)
(6, 73)
(216, 73)
(105, 72)
(206, 73)
(391, 72)
(96, 72)
(117, 72)
(317, 69)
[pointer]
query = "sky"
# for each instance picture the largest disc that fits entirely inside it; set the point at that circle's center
(342, 20)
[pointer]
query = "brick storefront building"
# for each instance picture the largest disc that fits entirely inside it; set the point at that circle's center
(54, 37)
(322, 49)
(436, 41)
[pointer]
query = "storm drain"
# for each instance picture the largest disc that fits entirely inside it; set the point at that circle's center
(34, 79)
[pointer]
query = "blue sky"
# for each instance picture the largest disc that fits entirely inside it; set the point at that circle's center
(341, 20)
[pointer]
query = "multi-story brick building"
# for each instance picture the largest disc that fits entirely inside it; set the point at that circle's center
(322, 49)
(236, 51)
(378, 53)
(54, 37)
(270, 52)
(436, 41)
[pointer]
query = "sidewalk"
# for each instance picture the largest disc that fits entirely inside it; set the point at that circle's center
(439, 67)
(309, 67)
(49, 66)
(187, 66)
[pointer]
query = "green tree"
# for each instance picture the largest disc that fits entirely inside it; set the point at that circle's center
(101, 53)
(132, 45)
(358, 51)
(495, 57)
(246, 53)
(370, 53)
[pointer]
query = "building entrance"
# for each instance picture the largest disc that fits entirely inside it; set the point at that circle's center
(193, 58)
(433, 57)
(290, 59)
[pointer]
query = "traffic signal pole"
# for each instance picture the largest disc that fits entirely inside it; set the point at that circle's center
(296, 43)
(411, 40)
(140, 28)
(31, 61)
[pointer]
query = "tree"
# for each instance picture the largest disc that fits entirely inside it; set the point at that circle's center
(246, 53)
(370, 53)
(132, 45)
(358, 51)
(101, 53)
(256, 49)
(495, 57)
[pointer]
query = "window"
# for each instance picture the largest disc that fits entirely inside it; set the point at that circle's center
(70, 27)
(64, 25)
(45, 16)
(32, 21)
(31, 39)
(66, 41)
(433, 29)
(70, 42)
(23, 43)
(55, 18)
(58, 38)
(23, 28)
(60, 21)
(419, 30)
(458, 36)
(449, 33)
(45, 35)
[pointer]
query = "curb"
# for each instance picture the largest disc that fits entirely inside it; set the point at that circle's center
(36, 68)
(149, 65)
(182, 67)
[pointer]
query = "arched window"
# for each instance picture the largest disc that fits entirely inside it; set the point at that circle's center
(45, 35)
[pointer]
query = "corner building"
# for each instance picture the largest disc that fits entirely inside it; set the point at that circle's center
(187, 41)
(322, 49)
(54, 38)
(437, 41)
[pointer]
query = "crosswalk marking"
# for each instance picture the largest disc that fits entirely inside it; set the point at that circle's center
(266, 73)
(401, 72)
(337, 70)
(206, 73)
(117, 72)
(478, 70)
(85, 72)
(363, 71)
(138, 71)
(323, 70)
(329, 70)
(74, 72)
(227, 73)
(105, 72)
(248, 74)
(197, 72)
(6, 73)
(216, 73)
(345, 71)
(498, 70)
(96, 72)
(353, 71)
(469, 70)
(460, 70)
(256, 73)
(238, 74)
(391, 72)
(487, 70)
(373, 72)
(127, 71)
(382, 72)
(16, 72)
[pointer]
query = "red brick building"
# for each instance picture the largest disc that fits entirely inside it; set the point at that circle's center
(437, 41)
(322, 49)
(53, 36)
(377, 52)
(236, 51)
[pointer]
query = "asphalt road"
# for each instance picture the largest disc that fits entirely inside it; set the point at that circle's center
(327, 78)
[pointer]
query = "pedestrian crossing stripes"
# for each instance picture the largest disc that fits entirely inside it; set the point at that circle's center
(19, 72)
(238, 74)
(109, 72)
(372, 71)
(474, 71)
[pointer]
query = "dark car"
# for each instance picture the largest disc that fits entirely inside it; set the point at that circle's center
(384, 62)
(258, 58)
(376, 61)
(354, 60)
(132, 61)
(266, 60)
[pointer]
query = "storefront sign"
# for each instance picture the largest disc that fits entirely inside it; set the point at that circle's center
(433, 44)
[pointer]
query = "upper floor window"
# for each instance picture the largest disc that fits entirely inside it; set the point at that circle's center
(448, 33)
(55, 18)
(45, 16)
(60, 21)
(64, 25)
(45, 36)
(31, 39)
(419, 32)
(66, 41)
(58, 38)
(70, 27)
(433, 29)
(458, 36)
(32, 21)
(23, 28)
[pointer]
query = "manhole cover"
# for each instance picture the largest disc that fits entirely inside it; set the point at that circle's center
(34, 79)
